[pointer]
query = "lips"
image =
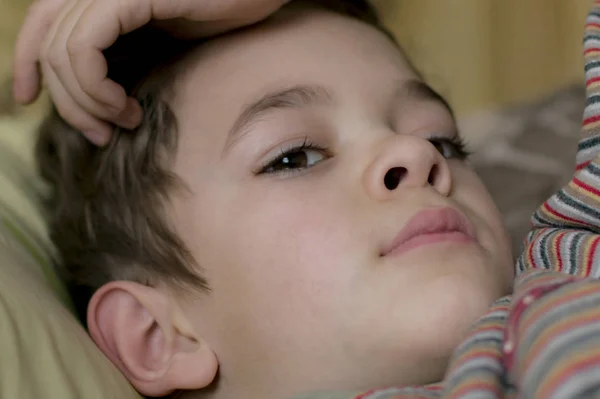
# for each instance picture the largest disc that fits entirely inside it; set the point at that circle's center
(431, 226)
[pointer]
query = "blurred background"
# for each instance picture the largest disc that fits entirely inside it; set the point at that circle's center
(484, 53)
(512, 70)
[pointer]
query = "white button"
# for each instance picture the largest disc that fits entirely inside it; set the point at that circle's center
(528, 300)
(508, 347)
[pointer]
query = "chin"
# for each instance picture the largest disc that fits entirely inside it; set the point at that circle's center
(452, 304)
(461, 301)
(434, 313)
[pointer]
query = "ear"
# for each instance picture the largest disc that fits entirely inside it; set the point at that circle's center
(144, 333)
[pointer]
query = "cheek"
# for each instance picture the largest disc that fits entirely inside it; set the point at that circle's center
(288, 264)
(278, 242)
(294, 229)
(472, 194)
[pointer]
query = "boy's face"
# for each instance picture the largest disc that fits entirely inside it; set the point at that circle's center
(303, 296)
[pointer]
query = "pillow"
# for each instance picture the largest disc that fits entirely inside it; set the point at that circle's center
(528, 147)
(45, 352)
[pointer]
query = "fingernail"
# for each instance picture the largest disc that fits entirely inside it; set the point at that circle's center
(132, 116)
(96, 138)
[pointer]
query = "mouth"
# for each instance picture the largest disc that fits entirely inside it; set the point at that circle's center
(431, 226)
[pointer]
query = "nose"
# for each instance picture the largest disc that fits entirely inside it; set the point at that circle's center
(406, 162)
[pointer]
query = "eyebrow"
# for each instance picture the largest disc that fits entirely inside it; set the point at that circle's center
(418, 90)
(302, 96)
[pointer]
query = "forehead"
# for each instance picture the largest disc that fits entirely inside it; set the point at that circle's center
(296, 47)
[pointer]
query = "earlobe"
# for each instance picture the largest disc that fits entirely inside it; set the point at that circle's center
(143, 332)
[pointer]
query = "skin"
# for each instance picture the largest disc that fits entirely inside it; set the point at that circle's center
(64, 40)
(301, 298)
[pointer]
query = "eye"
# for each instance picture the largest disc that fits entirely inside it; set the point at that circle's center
(450, 148)
(297, 158)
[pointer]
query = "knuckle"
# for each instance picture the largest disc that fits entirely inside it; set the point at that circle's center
(127, 10)
(88, 87)
(75, 44)
(53, 58)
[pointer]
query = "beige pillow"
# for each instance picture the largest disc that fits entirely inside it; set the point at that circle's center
(44, 351)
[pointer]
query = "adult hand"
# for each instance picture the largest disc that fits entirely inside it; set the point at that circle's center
(63, 41)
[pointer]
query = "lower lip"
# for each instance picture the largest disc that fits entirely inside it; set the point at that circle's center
(428, 239)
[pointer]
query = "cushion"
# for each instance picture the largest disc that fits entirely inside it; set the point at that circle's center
(528, 147)
(46, 353)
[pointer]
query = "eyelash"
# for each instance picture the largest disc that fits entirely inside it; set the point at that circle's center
(459, 151)
(305, 146)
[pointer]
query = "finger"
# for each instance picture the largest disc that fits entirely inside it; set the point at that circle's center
(95, 130)
(60, 64)
(186, 29)
(104, 20)
(97, 29)
(26, 72)
(208, 10)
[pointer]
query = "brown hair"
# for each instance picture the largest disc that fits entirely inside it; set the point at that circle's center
(107, 210)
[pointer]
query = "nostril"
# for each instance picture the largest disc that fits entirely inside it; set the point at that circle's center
(432, 175)
(393, 177)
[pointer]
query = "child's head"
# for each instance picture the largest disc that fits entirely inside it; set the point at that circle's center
(247, 222)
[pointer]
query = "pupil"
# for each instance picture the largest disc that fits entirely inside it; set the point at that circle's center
(295, 160)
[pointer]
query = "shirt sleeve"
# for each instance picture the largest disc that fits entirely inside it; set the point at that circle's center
(552, 337)
(565, 229)
(544, 342)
